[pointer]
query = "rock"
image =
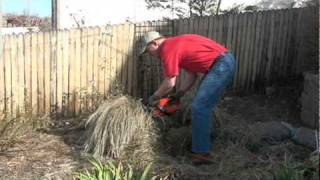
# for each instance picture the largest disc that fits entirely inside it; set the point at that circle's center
(266, 133)
(305, 136)
(271, 132)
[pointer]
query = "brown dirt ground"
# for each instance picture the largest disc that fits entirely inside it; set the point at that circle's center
(55, 153)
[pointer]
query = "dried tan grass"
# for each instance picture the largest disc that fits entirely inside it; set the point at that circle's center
(121, 128)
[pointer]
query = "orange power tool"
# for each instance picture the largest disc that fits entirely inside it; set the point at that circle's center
(166, 106)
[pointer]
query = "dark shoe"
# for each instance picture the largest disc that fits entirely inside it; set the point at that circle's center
(201, 158)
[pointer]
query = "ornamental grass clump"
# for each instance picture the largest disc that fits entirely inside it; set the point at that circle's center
(121, 128)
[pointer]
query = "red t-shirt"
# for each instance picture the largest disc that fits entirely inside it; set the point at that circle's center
(191, 52)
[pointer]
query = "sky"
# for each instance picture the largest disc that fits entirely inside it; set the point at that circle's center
(43, 7)
(36, 7)
(95, 11)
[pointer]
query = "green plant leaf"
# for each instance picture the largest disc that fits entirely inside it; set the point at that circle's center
(145, 172)
(111, 167)
(118, 171)
(97, 164)
(130, 173)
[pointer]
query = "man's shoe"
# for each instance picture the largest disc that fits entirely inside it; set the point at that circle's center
(201, 158)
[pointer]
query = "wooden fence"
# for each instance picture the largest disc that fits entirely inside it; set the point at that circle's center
(66, 72)
(269, 46)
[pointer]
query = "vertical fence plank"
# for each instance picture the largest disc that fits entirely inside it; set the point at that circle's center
(40, 79)
(185, 26)
(21, 78)
(280, 43)
(257, 44)
(59, 70)
(65, 72)
(244, 40)
(77, 64)
(7, 65)
(84, 69)
(14, 76)
(273, 57)
(96, 35)
(247, 51)
(47, 70)
(210, 27)
(229, 32)
(219, 28)
(239, 51)
(27, 59)
(101, 63)
(270, 47)
(203, 26)
(254, 48)
(136, 63)
(130, 58)
(118, 57)
(124, 53)
(114, 54)
(107, 77)
(284, 22)
(215, 28)
(191, 23)
(224, 32)
(90, 68)
(250, 60)
(34, 75)
(2, 78)
(53, 73)
(296, 41)
(290, 21)
(72, 72)
(235, 47)
(261, 50)
(7, 74)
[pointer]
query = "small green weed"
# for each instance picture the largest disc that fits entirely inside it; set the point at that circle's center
(292, 170)
(111, 171)
(288, 171)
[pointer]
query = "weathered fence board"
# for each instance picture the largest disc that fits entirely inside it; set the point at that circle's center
(47, 70)
(2, 81)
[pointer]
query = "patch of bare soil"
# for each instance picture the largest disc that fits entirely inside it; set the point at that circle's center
(56, 153)
(45, 154)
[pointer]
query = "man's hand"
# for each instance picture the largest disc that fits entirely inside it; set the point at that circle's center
(153, 100)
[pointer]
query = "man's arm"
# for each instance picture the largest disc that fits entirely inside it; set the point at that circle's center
(188, 81)
(166, 86)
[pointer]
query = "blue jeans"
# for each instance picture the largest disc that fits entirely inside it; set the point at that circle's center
(207, 96)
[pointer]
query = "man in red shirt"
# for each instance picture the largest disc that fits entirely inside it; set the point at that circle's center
(196, 55)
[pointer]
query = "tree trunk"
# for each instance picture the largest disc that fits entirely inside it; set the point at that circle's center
(190, 8)
(218, 7)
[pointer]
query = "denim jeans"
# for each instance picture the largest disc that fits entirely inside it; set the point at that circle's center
(207, 96)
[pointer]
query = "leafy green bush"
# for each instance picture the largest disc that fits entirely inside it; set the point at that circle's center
(111, 171)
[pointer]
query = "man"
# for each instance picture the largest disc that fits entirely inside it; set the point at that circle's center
(196, 55)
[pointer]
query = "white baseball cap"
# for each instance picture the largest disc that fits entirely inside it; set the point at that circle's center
(147, 38)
